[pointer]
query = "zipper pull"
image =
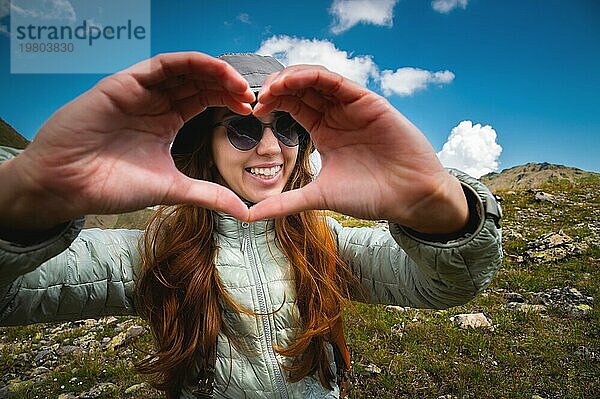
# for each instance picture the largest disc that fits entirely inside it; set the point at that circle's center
(245, 238)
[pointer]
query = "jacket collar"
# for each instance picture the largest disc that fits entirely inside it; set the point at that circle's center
(229, 226)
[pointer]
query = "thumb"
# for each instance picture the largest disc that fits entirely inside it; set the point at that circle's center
(207, 195)
(288, 202)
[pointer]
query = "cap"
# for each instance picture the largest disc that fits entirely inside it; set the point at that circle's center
(254, 68)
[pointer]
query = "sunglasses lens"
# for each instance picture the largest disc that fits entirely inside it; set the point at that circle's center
(287, 130)
(244, 133)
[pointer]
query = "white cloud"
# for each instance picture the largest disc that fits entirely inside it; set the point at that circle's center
(472, 149)
(445, 6)
(361, 69)
(407, 81)
(4, 12)
(347, 13)
(244, 18)
(92, 23)
(292, 50)
(4, 8)
(315, 162)
(49, 10)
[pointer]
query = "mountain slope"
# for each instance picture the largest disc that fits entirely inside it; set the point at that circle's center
(533, 175)
(10, 137)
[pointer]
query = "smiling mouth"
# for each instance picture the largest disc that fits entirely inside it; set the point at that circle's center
(265, 173)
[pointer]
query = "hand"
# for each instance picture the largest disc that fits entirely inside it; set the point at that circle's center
(108, 150)
(375, 163)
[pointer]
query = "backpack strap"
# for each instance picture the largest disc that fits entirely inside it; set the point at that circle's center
(206, 379)
(341, 355)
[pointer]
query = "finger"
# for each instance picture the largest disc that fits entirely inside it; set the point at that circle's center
(322, 80)
(164, 66)
(314, 99)
(207, 195)
(307, 116)
(288, 202)
(194, 87)
(268, 81)
(190, 106)
(186, 85)
(165, 125)
(311, 97)
(174, 83)
(125, 92)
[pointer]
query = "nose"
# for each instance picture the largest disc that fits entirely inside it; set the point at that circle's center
(268, 145)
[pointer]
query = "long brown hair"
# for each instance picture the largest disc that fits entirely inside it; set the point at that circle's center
(179, 288)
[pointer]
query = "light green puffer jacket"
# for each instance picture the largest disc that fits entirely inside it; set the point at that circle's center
(85, 274)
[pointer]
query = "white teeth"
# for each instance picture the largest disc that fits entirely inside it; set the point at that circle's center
(266, 171)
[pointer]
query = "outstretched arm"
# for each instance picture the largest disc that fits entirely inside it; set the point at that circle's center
(375, 163)
(108, 151)
(402, 267)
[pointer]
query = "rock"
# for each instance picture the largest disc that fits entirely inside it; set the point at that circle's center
(99, 390)
(135, 331)
(42, 356)
(56, 330)
(584, 352)
(472, 320)
(582, 308)
(66, 349)
(541, 196)
(553, 247)
(566, 298)
(125, 337)
(525, 307)
(40, 370)
(117, 341)
(514, 297)
(398, 330)
(373, 369)
(395, 309)
(136, 388)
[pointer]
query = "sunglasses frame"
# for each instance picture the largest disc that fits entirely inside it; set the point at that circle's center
(226, 122)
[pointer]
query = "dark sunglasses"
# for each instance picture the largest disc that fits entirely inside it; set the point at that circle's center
(245, 132)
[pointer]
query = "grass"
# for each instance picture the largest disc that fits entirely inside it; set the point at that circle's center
(421, 353)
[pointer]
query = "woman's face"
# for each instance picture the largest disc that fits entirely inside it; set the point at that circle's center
(255, 174)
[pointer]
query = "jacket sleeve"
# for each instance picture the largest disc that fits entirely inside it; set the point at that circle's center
(402, 267)
(67, 274)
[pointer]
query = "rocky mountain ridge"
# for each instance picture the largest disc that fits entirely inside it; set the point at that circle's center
(533, 175)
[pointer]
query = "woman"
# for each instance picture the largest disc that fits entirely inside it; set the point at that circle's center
(241, 281)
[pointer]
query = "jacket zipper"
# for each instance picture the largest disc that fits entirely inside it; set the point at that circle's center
(279, 381)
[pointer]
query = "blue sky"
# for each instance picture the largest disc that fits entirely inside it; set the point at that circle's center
(512, 81)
